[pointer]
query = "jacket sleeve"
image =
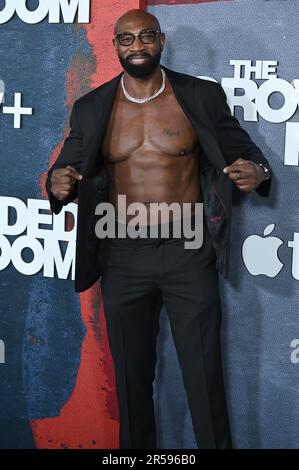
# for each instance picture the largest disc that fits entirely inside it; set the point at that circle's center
(71, 154)
(235, 142)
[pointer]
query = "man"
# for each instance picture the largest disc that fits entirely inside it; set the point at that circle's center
(156, 135)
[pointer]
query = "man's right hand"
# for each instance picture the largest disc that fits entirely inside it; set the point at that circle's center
(63, 181)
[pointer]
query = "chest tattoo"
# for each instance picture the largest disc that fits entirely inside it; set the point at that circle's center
(171, 133)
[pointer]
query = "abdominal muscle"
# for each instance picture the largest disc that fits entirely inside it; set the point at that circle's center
(169, 182)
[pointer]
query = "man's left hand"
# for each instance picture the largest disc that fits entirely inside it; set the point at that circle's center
(246, 174)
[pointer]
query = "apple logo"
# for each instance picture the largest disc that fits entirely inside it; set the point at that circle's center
(260, 254)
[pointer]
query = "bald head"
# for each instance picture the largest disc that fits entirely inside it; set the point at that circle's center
(139, 58)
(131, 18)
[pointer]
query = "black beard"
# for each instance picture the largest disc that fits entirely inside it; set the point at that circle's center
(141, 70)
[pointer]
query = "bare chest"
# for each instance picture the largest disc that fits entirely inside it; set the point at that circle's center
(159, 126)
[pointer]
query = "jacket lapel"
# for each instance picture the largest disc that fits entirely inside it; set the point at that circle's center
(102, 107)
(190, 102)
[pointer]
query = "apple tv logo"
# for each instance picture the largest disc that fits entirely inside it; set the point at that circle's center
(260, 253)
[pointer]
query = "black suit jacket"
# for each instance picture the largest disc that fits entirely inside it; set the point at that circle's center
(222, 139)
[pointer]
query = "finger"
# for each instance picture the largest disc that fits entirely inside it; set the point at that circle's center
(64, 179)
(232, 169)
(64, 187)
(244, 183)
(238, 176)
(245, 173)
(61, 195)
(246, 187)
(76, 174)
(241, 183)
(64, 172)
(234, 166)
(240, 161)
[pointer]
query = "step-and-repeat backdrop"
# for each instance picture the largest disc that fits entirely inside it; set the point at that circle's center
(57, 386)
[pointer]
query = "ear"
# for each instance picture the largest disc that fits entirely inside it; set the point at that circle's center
(115, 45)
(162, 40)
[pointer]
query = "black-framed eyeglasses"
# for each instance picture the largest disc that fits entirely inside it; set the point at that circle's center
(146, 37)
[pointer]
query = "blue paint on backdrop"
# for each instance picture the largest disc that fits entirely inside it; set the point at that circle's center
(37, 60)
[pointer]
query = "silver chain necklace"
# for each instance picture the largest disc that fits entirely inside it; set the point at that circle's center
(144, 100)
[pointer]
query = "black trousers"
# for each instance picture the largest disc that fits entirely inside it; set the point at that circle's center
(138, 278)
